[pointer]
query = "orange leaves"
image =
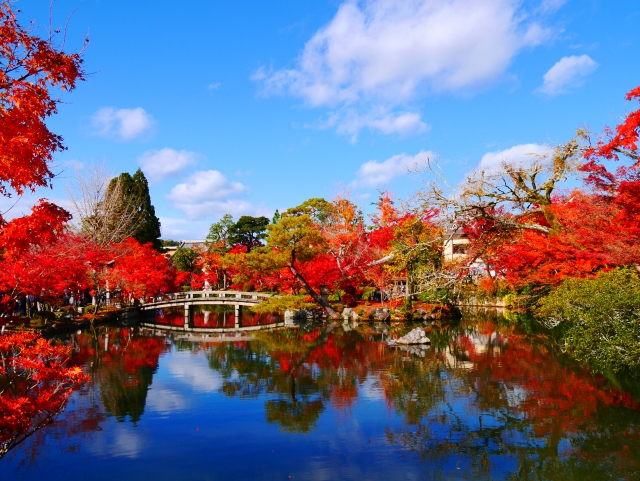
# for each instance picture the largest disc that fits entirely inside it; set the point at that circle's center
(626, 133)
(552, 394)
(598, 233)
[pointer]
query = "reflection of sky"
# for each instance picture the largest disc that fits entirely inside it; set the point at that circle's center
(190, 429)
(371, 389)
(117, 441)
(193, 370)
(163, 400)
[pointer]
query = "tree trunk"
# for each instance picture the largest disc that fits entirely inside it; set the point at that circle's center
(552, 219)
(316, 297)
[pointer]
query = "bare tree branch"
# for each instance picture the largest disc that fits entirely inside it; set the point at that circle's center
(104, 212)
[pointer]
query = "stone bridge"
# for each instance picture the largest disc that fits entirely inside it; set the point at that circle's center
(195, 298)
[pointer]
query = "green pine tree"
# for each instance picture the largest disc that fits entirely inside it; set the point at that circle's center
(135, 192)
(149, 230)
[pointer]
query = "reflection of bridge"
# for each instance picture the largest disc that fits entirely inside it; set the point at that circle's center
(197, 298)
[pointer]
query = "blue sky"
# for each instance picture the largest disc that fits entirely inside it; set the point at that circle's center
(245, 107)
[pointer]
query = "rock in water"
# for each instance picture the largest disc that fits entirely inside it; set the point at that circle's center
(424, 315)
(349, 314)
(415, 336)
(380, 314)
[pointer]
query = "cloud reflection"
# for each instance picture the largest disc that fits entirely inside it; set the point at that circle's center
(194, 371)
(164, 401)
(117, 441)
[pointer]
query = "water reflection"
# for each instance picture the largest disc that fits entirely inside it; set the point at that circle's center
(213, 317)
(121, 363)
(486, 401)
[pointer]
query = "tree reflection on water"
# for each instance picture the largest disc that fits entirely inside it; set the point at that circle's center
(122, 364)
(487, 398)
(495, 397)
(485, 395)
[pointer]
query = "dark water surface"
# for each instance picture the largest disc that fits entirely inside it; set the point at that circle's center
(484, 402)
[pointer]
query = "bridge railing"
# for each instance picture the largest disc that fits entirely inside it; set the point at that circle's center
(213, 295)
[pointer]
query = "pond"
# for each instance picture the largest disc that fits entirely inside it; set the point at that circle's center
(485, 401)
(206, 317)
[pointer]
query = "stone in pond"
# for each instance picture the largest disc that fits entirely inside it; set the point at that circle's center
(415, 336)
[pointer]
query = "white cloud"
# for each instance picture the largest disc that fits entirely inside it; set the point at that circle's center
(181, 229)
(377, 174)
(211, 194)
(388, 53)
(158, 164)
(204, 186)
(235, 207)
(372, 389)
(214, 86)
(119, 440)
(551, 6)
(351, 122)
(518, 154)
(124, 124)
(567, 72)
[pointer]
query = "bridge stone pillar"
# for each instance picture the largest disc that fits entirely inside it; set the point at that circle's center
(238, 315)
(188, 320)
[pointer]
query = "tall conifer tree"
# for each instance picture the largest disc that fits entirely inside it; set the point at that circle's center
(135, 191)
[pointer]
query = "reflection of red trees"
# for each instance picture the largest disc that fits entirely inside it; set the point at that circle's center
(215, 319)
(35, 384)
(134, 354)
(122, 365)
(557, 399)
(339, 364)
(122, 348)
(519, 401)
(170, 318)
(255, 319)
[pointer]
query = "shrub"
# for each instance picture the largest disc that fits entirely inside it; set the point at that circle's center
(338, 307)
(43, 316)
(368, 293)
(336, 296)
(90, 309)
(599, 319)
(281, 304)
(441, 296)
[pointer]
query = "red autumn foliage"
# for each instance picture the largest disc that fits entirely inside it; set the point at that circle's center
(140, 270)
(32, 66)
(73, 263)
(35, 384)
(593, 238)
(621, 142)
(600, 230)
(46, 223)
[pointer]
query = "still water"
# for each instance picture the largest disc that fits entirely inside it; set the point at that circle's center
(485, 401)
(213, 317)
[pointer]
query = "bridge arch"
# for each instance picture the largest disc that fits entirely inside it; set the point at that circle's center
(205, 297)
